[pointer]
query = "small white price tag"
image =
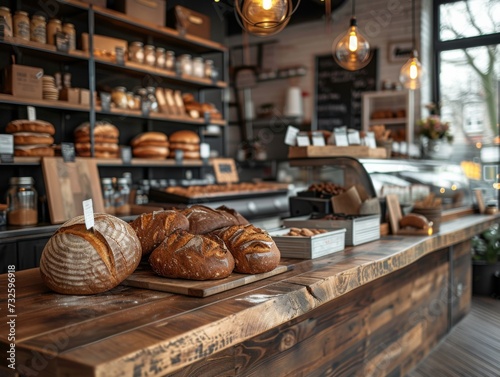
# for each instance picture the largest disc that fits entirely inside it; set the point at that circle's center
(88, 213)
(303, 139)
(318, 139)
(31, 113)
(204, 150)
(291, 135)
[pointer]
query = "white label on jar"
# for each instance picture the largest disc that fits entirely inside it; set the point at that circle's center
(88, 213)
(23, 30)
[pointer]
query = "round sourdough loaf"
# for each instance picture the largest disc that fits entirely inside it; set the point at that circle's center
(192, 256)
(152, 228)
(203, 219)
(82, 262)
(253, 249)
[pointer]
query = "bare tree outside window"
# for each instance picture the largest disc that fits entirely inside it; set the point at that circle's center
(469, 77)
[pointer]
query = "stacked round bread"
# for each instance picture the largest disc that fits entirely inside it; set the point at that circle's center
(186, 141)
(32, 137)
(203, 243)
(105, 140)
(150, 145)
(49, 89)
(80, 261)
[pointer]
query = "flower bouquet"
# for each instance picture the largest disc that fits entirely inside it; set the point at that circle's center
(433, 128)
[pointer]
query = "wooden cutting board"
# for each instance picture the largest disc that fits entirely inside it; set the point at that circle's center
(68, 184)
(144, 277)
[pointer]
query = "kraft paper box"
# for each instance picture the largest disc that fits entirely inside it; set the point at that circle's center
(71, 95)
(24, 81)
(151, 11)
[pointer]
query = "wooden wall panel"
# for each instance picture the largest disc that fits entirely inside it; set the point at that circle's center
(461, 284)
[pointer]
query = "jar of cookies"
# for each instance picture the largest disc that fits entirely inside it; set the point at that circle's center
(160, 57)
(22, 202)
(7, 16)
(22, 25)
(38, 29)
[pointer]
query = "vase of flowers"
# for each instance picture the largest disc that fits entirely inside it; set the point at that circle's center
(435, 135)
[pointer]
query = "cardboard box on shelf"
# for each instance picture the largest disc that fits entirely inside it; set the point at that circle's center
(24, 81)
(71, 95)
(151, 11)
(190, 22)
(103, 46)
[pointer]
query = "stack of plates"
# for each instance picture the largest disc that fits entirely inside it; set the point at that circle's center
(50, 91)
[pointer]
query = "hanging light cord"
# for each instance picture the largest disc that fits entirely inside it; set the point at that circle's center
(353, 8)
(413, 24)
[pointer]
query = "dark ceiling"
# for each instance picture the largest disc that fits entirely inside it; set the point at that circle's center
(308, 10)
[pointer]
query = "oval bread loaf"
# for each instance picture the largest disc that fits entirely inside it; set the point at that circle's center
(414, 220)
(192, 256)
(82, 262)
(152, 228)
(253, 249)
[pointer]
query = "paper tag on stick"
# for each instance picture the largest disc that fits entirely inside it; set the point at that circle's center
(88, 213)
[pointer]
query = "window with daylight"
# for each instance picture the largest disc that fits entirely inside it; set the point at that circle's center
(467, 62)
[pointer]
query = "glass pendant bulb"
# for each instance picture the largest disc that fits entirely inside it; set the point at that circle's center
(411, 72)
(351, 50)
(264, 17)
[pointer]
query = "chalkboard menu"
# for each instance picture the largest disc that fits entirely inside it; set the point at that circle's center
(337, 100)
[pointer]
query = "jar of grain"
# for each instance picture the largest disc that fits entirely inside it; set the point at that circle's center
(149, 55)
(69, 29)
(22, 201)
(5, 13)
(160, 57)
(53, 27)
(136, 52)
(38, 31)
(22, 25)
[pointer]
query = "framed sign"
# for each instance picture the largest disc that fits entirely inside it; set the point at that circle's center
(399, 52)
(225, 170)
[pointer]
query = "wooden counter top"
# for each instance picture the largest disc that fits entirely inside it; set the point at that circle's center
(136, 332)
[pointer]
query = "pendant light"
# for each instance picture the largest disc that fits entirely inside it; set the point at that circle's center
(264, 17)
(351, 50)
(411, 72)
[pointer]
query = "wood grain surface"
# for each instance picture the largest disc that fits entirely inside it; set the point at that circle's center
(380, 299)
(144, 277)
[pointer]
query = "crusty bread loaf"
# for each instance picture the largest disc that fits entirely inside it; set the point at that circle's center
(31, 138)
(25, 125)
(192, 256)
(150, 151)
(253, 249)
(152, 228)
(81, 262)
(415, 220)
(38, 150)
(240, 220)
(204, 219)
(150, 138)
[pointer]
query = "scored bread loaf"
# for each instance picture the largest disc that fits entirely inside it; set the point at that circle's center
(82, 262)
(204, 219)
(253, 249)
(192, 256)
(240, 220)
(152, 228)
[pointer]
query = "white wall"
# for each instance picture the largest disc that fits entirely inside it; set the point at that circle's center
(382, 21)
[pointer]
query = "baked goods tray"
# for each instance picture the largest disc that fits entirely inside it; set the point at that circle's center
(311, 247)
(359, 228)
(162, 196)
(144, 277)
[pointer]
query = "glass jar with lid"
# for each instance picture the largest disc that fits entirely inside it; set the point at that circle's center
(198, 67)
(208, 68)
(119, 97)
(108, 195)
(69, 29)
(170, 60)
(38, 32)
(22, 201)
(136, 52)
(53, 27)
(160, 57)
(5, 13)
(186, 64)
(122, 195)
(151, 93)
(21, 24)
(149, 55)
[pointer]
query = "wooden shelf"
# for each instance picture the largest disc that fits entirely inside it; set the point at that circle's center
(170, 35)
(44, 49)
(160, 117)
(141, 70)
(60, 105)
(138, 162)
